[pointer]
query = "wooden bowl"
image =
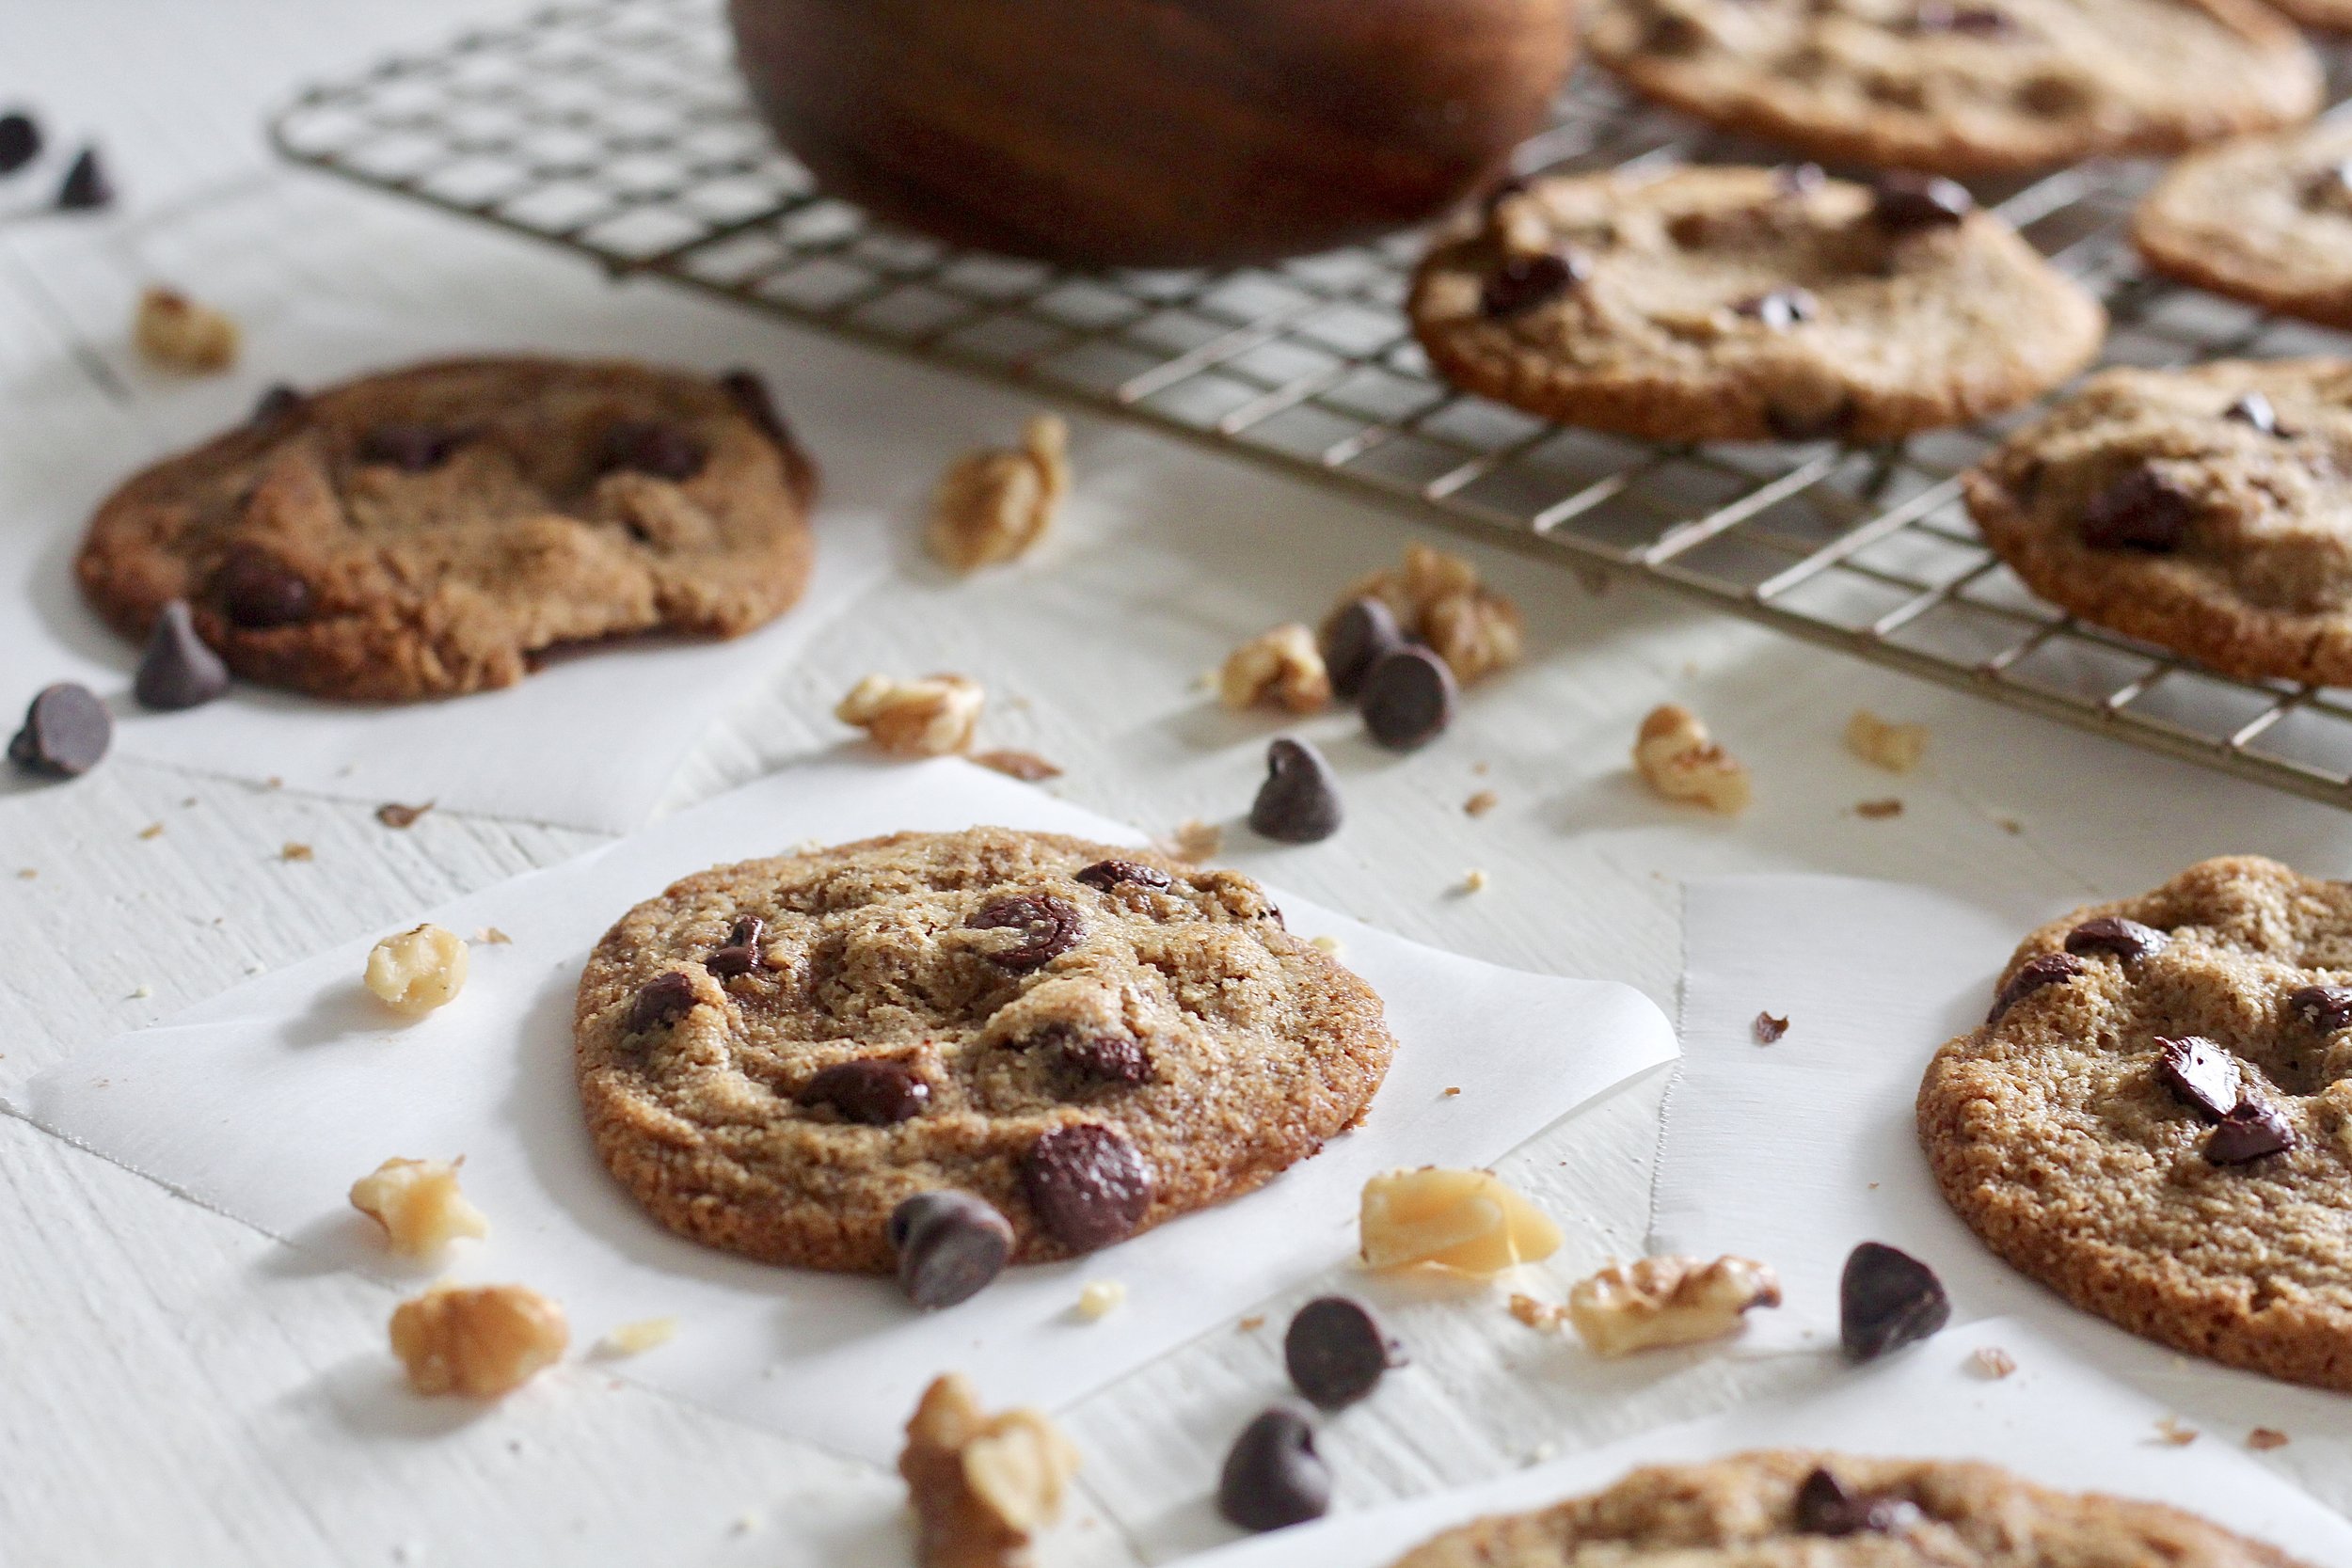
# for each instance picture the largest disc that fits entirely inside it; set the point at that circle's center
(1153, 133)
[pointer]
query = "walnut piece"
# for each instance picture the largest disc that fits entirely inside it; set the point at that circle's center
(994, 506)
(1896, 748)
(636, 1339)
(418, 970)
(1991, 1362)
(1667, 1301)
(1281, 666)
(1100, 1298)
(1025, 765)
(479, 1340)
(933, 716)
(1437, 599)
(1676, 756)
(1538, 1315)
(419, 1205)
(1464, 1220)
(982, 1485)
(177, 333)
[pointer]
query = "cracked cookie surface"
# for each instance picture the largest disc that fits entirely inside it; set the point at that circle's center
(2082, 1132)
(982, 1011)
(2266, 219)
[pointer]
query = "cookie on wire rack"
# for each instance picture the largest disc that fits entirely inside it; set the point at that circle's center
(2264, 219)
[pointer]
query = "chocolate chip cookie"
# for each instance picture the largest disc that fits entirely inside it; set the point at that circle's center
(1780, 1508)
(1746, 303)
(1967, 86)
(2155, 1118)
(2205, 510)
(2264, 219)
(774, 1055)
(431, 530)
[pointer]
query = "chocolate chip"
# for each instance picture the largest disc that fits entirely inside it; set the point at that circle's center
(413, 449)
(2249, 1132)
(1407, 698)
(2203, 1075)
(275, 405)
(1273, 1477)
(19, 141)
(742, 953)
(1335, 1351)
(1048, 928)
(2137, 512)
(2325, 1008)
(1901, 201)
(177, 671)
(1299, 801)
(870, 1091)
(85, 188)
(2255, 409)
(1521, 283)
(66, 732)
(749, 394)
(257, 591)
(644, 447)
(1782, 308)
(1106, 875)
(2126, 939)
(1798, 178)
(1088, 1185)
(950, 1245)
(1937, 16)
(665, 999)
(1887, 1300)
(1105, 1056)
(2044, 969)
(1825, 1507)
(1353, 640)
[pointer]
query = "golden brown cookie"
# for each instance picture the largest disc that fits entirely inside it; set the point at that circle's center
(431, 530)
(2155, 1119)
(2264, 219)
(773, 1055)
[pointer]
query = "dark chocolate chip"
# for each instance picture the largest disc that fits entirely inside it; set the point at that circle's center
(870, 1091)
(1521, 283)
(1299, 801)
(1407, 698)
(1901, 201)
(1887, 1300)
(1782, 308)
(644, 447)
(1825, 1507)
(19, 141)
(66, 732)
(1087, 1184)
(177, 670)
(2256, 410)
(2325, 1008)
(665, 999)
(1335, 1351)
(1048, 926)
(1106, 875)
(274, 406)
(1939, 16)
(413, 449)
(741, 954)
(258, 590)
(1273, 1477)
(2137, 512)
(2203, 1075)
(2249, 1132)
(1104, 1056)
(1354, 640)
(1810, 424)
(2043, 969)
(950, 1245)
(749, 394)
(85, 188)
(1798, 178)
(2124, 939)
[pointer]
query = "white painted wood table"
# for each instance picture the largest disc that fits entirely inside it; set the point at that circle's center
(177, 1388)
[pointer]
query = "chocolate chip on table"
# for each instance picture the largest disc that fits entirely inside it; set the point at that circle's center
(665, 999)
(2205, 1076)
(749, 392)
(1407, 698)
(2043, 969)
(1299, 801)
(1088, 1185)
(273, 406)
(2249, 1132)
(949, 1244)
(740, 954)
(66, 732)
(1353, 640)
(2255, 409)
(1887, 1299)
(413, 449)
(19, 141)
(1901, 201)
(870, 1091)
(645, 447)
(1273, 1477)
(1826, 1507)
(1780, 309)
(2112, 934)
(177, 670)
(1521, 283)
(1048, 926)
(2325, 1008)
(2137, 512)
(1335, 1351)
(1106, 875)
(257, 591)
(85, 188)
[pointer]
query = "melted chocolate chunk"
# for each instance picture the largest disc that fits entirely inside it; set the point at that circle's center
(1106, 875)
(2203, 1076)
(1939, 16)
(645, 447)
(742, 953)
(1521, 283)
(1087, 1184)
(2126, 939)
(2046, 969)
(1782, 308)
(2255, 409)
(870, 1091)
(2249, 1132)
(665, 999)
(2325, 1008)
(2139, 512)
(257, 591)
(413, 449)
(274, 406)
(1048, 926)
(1825, 1507)
(1904, 202)
(1104, 1056)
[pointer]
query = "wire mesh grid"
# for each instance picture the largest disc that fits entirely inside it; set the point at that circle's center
(616, 128)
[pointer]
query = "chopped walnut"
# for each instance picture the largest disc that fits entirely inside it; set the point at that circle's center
(1463, 1220)
(1281, 666)
(636, 1339)
(1991, 1362)
(1437, 599)
(481, 1341)
(418, 971)
(1667, 1301)
(419, 1205)
(933, 716)
(1769, 1028)
(490, 936)
(177, 333)
(1676, 757)
(2175, 1434)
(982, 1485)
(1896, 748)
(1025, 765)
(994, 506)
(1100, 1298)
(1537, 1315)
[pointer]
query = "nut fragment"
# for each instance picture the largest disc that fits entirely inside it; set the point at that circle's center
(1896, 748)
(2175, 1432)
(177, 333)
(419, 1205)
(481, 1340)
(1676, 756)
(1464, 1220)
(2263, 1438)
(1539, 1315)
(995, 505)
(933, 716)
(1281, 666)
(982, 1485)
(1100, 1298)
(1667, 1301)
(418, 970)
(636, 1339)
(1437, 600)
(1991, 1362)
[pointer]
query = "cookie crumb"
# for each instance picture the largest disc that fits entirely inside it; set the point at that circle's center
(177, 333)
(1474, 880)
(1896, 748)
(1100, 1298)
(635, 1338)
(1769, 1028)
(482, 1341)
(1541, 1316)
(1252, 1323)
(1195, 841)
(1676, 757)
(1877, 811)
(1282, 666)
(2010, 825)
(1481, 803)
(393, 815)
(490, 936)
(932, 717)
(26, 874)
(1450, 1091)
(2174, 1433)
(994, 506)
(1991, 1362)
(2263, 1439)
(293, 851)
(1329, 945)
(982, 1485)
(153, 829)
(1025, 765)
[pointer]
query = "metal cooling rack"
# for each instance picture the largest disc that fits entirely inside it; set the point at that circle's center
(615, 128)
